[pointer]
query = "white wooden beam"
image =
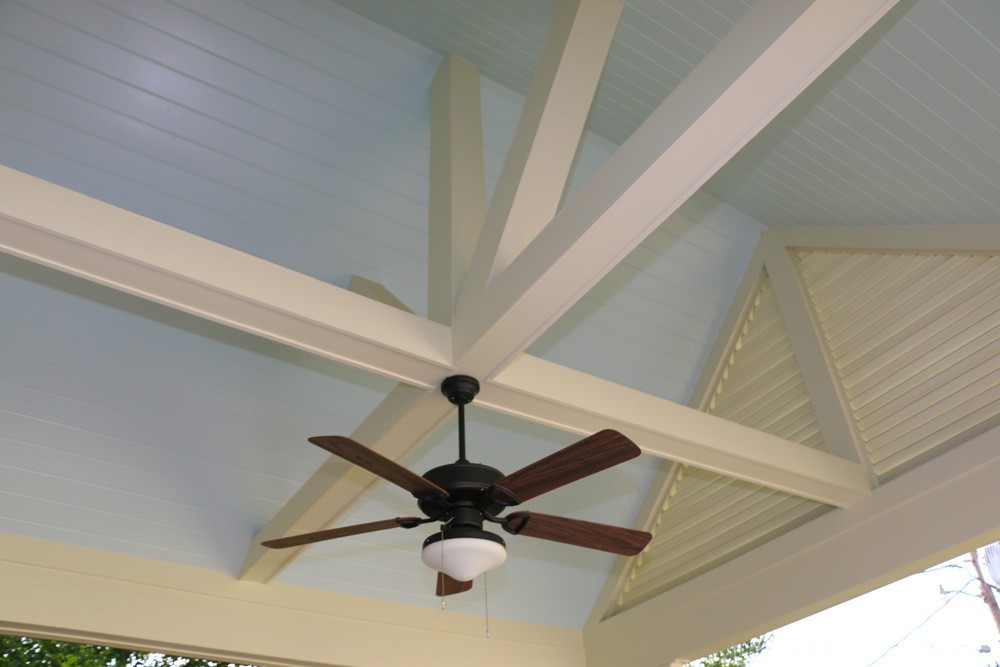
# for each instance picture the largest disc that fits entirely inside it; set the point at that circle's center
(402, 422)
(753, 73)
(907, 525)
(829, 400)
(113, 599)
(457, 199)
(548, 132)
(547, 393)
(76, 234)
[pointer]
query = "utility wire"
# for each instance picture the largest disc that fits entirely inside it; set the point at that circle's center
(922, 623)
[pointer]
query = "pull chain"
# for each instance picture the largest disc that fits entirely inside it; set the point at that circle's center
(442, 568)
(486, 602)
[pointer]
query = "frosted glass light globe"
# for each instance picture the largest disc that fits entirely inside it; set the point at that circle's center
(463, 558)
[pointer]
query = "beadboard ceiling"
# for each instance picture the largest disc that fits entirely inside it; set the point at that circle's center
(298, 133)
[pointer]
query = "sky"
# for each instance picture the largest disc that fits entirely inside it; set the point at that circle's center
(908, 623)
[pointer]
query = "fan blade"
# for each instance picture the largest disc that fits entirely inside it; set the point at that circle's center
(333, 533)
(448, 586)
(602, 450)
(623, 541)
(374, 462)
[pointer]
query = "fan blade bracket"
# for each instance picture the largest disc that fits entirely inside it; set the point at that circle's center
(515, 523)
(504, 496)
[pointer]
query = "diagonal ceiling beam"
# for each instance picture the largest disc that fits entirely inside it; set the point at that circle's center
(548, 133)
(753, 73)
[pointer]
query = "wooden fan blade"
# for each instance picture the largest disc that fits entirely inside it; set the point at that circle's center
(374, 462)
(602, 450)
(448, 586)
(623, 541)
(333, 533)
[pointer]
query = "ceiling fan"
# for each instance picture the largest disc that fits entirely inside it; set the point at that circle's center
(463, 495)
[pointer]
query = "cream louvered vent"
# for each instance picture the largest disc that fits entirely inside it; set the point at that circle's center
(916, 342)
(708, 518)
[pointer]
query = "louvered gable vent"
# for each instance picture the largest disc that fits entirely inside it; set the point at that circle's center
(708, 518)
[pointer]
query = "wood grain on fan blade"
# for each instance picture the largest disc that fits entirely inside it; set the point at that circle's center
(617, 540)
(374, 462)
(333, 533)
(448, 586)
(602, 450)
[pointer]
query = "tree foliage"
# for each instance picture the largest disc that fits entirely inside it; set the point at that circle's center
(29, 652)
(735, 656)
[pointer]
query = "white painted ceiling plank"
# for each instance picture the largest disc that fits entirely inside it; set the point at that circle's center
(65, 230)
(561, 397)
(547, 136)
(754, 72)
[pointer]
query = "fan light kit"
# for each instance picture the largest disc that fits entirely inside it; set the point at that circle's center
(463, 495)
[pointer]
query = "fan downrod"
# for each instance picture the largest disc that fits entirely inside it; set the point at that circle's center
(460, 389)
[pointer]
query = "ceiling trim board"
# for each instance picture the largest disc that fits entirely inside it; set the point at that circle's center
(645, 519)
(856, 551)
(730, 332)
(275, 624)
(957, 238)
(753, 73)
